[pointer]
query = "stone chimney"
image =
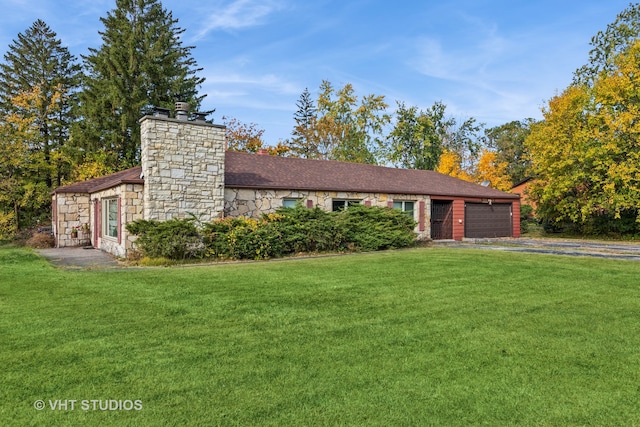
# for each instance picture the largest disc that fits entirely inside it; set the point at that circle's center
(182, 166)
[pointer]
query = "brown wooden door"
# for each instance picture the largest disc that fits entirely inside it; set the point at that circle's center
(441, 219)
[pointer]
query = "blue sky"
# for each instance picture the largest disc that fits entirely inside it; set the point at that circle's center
(496, 61)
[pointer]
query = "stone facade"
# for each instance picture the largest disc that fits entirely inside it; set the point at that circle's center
(131, 206)
(253, 203)
(183, 168)
(71, 210)
(183, 174)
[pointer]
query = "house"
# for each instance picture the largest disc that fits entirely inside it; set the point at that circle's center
(186, 171)
(522, 189)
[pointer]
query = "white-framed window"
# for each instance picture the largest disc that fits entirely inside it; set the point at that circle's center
(110, 220)
(342, 204)
(290, 203)
(405, 206)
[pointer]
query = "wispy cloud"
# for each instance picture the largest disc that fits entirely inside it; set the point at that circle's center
(458, 63)
(237, 15)
(267, 82)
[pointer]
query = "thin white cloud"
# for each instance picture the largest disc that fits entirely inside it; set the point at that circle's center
(238, 14)
(459, 64)
(267, 82)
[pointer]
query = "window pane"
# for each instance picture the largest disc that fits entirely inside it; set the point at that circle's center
(289, 203)
(397, 205)
(338, 205)
(408, 209)
(112, 219)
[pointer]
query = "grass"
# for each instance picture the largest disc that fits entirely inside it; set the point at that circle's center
(435, 336)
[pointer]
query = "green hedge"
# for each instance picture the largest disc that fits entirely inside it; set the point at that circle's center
(172, 239)
(287, 231)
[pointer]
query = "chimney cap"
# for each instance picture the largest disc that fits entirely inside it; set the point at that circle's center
(200, 117)
(160, 112)
(182, 106)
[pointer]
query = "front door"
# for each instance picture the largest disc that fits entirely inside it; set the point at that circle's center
(441, 219)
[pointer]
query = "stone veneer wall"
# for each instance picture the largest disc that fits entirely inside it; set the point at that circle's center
(183, 168)
(253, 203)
(72, 210)
(131, 209)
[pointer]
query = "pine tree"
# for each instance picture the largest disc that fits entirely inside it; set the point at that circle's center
(304, 142)
(141, 64)
(36, 64)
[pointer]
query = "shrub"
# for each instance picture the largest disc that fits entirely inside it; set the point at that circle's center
(310, 230)
(7, 225)
(215, 235)
(244, 238)
(526, 217)
(173, 239)
(287, 231)
(374, 228)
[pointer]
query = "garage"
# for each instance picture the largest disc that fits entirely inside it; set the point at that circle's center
(486, 220)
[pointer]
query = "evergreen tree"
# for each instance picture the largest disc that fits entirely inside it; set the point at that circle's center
(304, 142)
(38, 68)
(141, 64)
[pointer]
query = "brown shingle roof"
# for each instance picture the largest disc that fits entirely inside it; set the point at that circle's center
(128, 176)
(243, 170)
(269, 172)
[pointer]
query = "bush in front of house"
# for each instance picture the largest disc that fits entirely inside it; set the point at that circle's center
(287, 231)
(374, 229)
(310, 230)
(243, 238)
(173, 239)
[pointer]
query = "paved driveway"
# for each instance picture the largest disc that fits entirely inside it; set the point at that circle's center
(600, 249)
(79, 258)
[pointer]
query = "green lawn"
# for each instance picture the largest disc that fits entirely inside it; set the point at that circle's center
(433, 336)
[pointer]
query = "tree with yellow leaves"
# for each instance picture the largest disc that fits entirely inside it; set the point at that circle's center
(248, 138)
(490, 169)
(38, 82)
(23, 192)
(451, 164)
(242, 136)
(586, 153)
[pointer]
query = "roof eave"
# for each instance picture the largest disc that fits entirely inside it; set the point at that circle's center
(500, 195)
(115, 184)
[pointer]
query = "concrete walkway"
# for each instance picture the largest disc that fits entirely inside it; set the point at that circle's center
(79, 258)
